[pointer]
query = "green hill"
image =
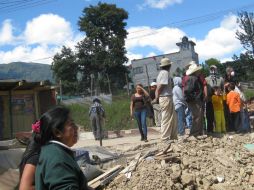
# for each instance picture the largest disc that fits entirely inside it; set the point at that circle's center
(26, 71)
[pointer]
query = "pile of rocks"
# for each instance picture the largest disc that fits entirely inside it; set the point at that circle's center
(194, 163)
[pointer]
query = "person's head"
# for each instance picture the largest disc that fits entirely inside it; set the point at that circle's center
(217, 90)
(96, 100)
(165, 64)
(230, 71)
(213, 70)
(231, 86)
(153, 85)
(57, 124)
(139, 88)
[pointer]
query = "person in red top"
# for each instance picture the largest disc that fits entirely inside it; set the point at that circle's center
(234, 104)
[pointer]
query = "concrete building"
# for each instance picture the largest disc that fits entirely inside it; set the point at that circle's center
(144, 71)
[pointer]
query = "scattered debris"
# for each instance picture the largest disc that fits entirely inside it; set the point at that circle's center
(201, 162)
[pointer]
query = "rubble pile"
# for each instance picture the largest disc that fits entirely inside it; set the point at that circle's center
(193, 163)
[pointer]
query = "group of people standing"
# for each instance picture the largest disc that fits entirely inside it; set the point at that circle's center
(191, 104)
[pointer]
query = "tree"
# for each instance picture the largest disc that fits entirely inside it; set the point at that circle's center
(243, 66)
(246, 34)
(65, 68)
(103, 49)
(212, 61)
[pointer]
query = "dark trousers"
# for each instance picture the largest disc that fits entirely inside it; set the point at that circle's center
(229, 126)
(236, 120)
(96, 122)
(209, 117)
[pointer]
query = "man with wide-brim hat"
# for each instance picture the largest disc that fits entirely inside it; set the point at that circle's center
(165, 62)
(163, 94)
(194, 88)
(193, 68)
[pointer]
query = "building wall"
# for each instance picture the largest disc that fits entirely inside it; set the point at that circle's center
(150, 65)
(26, 107)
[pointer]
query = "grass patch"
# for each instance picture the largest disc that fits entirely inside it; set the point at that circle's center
(117, 114)
(249, 93)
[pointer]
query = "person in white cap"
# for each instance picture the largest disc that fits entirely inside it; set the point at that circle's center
(164, 95)
(156, 106)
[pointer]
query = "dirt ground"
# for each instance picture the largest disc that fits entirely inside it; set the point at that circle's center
(215, 163)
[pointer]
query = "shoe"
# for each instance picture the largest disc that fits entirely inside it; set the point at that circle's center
(142, 139)
(145, 139)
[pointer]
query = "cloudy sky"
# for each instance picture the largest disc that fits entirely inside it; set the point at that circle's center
(36, 30)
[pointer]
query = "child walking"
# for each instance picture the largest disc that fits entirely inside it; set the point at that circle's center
(217, 101)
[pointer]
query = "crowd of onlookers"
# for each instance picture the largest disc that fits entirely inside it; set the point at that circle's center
(191, 104)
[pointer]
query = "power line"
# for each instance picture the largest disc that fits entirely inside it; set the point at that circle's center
(24, 6)
(13, 3)
(193, 21)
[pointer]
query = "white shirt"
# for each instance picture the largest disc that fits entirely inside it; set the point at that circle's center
(164, 79)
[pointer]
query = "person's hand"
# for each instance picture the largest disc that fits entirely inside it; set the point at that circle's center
(154, 101)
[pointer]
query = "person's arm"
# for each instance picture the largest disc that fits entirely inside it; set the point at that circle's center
(131, 107)
(103, 112)
(145, 92)
(27, 180)
(90, 109)
(238, 100)
(158, 92)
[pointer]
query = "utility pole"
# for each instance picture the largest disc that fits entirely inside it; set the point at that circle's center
(127, 82)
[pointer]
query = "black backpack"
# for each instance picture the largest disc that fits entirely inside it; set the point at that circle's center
(190, 88)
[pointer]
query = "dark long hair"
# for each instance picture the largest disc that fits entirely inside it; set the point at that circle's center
(52, 120)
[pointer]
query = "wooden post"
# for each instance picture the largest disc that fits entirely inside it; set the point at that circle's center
(127, 83)
(109, 88)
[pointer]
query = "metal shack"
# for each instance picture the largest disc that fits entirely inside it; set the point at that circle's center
(21, 103)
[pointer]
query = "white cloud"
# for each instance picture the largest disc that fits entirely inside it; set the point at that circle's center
(159, 4)
(48, 29)
(163, 39)
(221, 41)
(42, 38)
(132, 56)
(27, 54)
(226, 59)
(6, 36)
(151, 54)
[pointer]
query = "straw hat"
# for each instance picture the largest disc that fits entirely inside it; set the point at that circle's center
(165, 62)
(189, 64)
(193, 68)
(213, 66)
(153, 84)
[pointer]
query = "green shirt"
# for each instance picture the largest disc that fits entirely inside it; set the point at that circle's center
(57, 170)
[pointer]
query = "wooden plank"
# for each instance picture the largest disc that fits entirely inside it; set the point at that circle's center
(90, 183)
